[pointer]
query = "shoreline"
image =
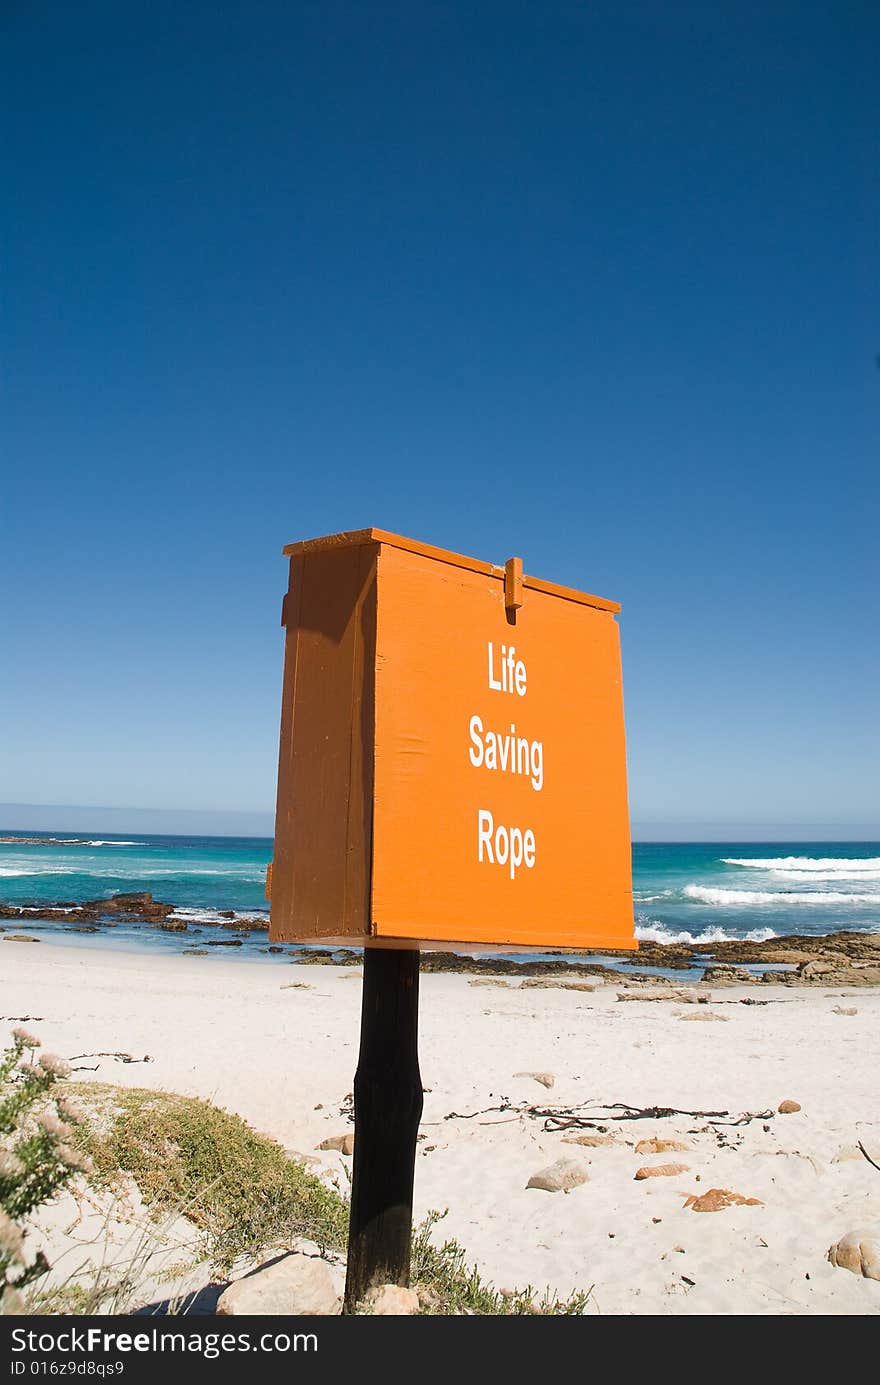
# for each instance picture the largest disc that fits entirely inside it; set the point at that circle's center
(846, 957)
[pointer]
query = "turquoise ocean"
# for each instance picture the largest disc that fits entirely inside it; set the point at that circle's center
(688, 892)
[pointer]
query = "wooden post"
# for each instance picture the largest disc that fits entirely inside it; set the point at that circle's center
(387, 1110)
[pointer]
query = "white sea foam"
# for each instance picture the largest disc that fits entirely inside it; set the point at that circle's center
(834, 877)
(865, 866)
(108, 843)
(56, 908)
(215, 916)
(35, 868)
(724, 897)
(659, 933)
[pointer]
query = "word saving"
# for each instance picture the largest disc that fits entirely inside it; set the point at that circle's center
(509, 753)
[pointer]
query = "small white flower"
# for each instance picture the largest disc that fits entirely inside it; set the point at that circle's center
(54, 1128)
(55, 1066)
(80, 1163)
(10, 1165)
(11, 1302)
(11, 1240)
(68, 1111)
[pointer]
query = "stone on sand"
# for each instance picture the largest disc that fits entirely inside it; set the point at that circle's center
(858, 1251)
(716, 1199)
(704, 1015)
(344, 1143)
(546, 1079)
(298, 1284)
(684, 995)
(489, 981)
(658, 1146)
(549, 983)
(787, 1108)
(660, 1171)
(590, 1141)
(844, 1010)
(392, 1301)
(560, 1177)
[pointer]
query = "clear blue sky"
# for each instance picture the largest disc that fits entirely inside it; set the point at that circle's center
(593, 283)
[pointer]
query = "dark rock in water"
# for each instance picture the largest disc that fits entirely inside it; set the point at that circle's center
(195, 952)
(172, 925)
(224, 942)
(139, 905)
(245, 925)
(83, 928)
(274, 948)
(19, 938)
(227, 913)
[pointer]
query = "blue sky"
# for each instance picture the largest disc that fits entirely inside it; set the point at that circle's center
(591, 283)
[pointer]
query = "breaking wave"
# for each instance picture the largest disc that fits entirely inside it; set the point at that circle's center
(867, 867)
(107, 843)
(659, 933)
(218, 916)
(708, 895)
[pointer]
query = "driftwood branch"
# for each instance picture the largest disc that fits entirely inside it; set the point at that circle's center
(871, 1161)
(577, 1118)
(122, 1058)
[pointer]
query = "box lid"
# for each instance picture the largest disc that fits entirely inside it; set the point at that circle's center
(355, 537)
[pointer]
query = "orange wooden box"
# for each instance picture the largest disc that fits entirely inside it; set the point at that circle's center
(453, 766)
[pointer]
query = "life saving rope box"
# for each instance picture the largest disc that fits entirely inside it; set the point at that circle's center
(452, 766)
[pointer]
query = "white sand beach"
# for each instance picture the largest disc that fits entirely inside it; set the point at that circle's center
(278, 1045)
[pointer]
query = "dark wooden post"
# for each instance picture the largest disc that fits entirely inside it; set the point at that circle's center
(387, 1110)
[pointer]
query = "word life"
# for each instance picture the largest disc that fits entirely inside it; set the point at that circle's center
(505, 752)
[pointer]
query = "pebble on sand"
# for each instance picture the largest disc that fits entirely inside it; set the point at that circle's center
(560, 1177)
(786, 1108)
(296, 1284)
(590, 1141)
(858, 1251)
(657, 1146)
(344, 1143)
(546, 1079)
(716, 1199)
(660, 1171)
(545, 983)
(391, 1301)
